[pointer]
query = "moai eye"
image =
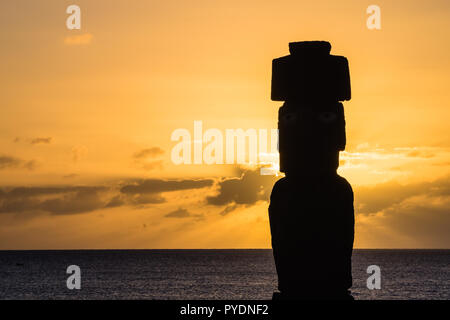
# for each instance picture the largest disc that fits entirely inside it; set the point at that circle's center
(289, 118)
(327, 117)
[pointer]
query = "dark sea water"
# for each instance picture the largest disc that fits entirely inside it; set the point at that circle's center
(206, 274)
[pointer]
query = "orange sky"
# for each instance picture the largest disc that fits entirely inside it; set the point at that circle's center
(87, 114)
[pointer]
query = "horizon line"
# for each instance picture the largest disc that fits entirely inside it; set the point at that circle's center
(192, 249)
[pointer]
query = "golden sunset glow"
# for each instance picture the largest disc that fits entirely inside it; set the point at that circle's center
(87, 115)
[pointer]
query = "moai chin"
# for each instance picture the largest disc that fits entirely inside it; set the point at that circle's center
(311, 209)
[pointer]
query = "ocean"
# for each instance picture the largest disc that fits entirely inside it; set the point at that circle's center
(206, 274)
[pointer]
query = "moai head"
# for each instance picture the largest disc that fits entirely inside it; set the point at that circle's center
(311, 122)
(310, 137)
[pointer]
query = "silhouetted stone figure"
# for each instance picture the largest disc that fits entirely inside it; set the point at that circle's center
(311, 209)
(311, 221)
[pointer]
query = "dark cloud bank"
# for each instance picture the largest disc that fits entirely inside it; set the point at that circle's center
(62, 200)
(369, 200)
(246, 189)
(419, 210)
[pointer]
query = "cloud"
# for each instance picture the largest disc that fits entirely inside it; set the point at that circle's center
(420, 221)
(159, 186)
(425, 218)
(416, 213)
(143, 199)
(41, 140)
(9, 162)
(183, 213)
(247, 189)
(24, 192)
(30, 165)
(62, 200)
(114, 202)
(228, 209)
(84, 200)
(373, 199)
(53, 200)
(179, 213)
(141, 158)
(410, 215)
(365, 154)
(148, 153)
(82, 39)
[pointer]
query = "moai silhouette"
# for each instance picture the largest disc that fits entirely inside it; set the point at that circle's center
(311, 209)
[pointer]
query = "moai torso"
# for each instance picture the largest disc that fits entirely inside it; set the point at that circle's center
(311, 209)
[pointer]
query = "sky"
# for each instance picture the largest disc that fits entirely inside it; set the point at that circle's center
(87, 116)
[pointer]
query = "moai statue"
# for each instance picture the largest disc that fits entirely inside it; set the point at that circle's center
(311, 209)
